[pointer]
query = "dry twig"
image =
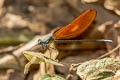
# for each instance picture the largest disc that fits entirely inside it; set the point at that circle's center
(71, 69)
(10, 49)
(106, 54)
(9, 59)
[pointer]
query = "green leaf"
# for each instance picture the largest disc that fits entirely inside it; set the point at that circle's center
(42, 58)
(37, 58)
(99, 69)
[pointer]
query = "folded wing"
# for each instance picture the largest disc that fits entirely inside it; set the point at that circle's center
(79, 25)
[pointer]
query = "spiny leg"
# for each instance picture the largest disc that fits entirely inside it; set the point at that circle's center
(54, 50)
(50, 51)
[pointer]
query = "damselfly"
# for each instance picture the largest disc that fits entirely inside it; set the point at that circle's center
(67, 33)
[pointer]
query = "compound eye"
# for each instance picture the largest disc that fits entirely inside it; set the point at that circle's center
(39, 41)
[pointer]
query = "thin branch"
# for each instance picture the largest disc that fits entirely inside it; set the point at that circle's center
(71, 69)
(110, 52)
(4, 60)
(10, 49)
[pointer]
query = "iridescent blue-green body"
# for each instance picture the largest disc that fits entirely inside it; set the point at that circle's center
(45, 42)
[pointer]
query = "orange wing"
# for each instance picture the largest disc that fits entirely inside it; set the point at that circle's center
(78, 26)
